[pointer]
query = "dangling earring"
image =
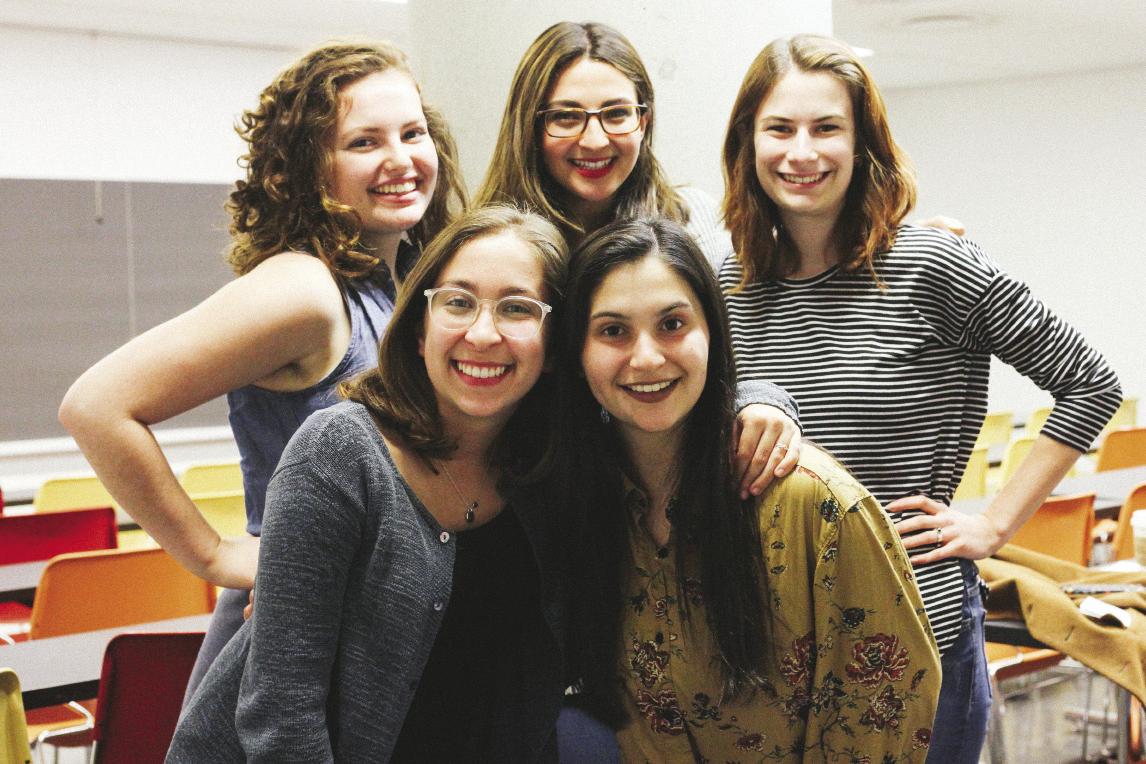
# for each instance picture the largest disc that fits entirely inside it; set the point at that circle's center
(605, 418)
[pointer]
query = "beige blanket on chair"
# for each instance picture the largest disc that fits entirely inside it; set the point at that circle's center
(1025, 585)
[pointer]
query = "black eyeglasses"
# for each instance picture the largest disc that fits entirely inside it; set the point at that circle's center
(570, 121)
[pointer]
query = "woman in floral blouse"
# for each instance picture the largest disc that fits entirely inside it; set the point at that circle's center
(786, 627)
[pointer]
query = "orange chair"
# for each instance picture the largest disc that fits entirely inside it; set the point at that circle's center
(1119, 533)
(1122, 448)
(1060, 528)
(86, 591)
(140, 693)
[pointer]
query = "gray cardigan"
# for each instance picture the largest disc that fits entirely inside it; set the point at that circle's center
(354, 578)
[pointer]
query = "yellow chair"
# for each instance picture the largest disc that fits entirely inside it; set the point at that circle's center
(212, 478)
(14, 746)
(86, 591)
(1122, 448)
(996, 430)
(1017, 450)
(1125, 416)
(225, 511)
(71, 493)
(974, 482)
(1037, 419)
(1060, 528)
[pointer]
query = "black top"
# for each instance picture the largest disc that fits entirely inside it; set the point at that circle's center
(452, 715)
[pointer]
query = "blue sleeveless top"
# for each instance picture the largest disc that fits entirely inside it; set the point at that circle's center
(264, 420)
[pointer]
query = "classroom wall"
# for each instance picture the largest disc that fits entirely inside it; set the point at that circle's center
(1049, 175)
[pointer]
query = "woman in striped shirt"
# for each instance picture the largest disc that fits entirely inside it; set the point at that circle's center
(884, 333)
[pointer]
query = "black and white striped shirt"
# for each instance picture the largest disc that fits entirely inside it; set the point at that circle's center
(894, 382)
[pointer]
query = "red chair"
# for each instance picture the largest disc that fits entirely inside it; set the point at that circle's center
(140, 694)
(27, 538)
(41, 536)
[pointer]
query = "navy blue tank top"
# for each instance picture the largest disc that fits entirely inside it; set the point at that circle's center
(264, 420)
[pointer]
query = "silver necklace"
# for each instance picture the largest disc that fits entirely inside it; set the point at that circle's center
(470, 506)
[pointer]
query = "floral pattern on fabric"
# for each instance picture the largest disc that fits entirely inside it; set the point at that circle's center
(854, 675)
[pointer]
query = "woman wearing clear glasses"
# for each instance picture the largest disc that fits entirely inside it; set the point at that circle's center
(408, 600)
(576, 145)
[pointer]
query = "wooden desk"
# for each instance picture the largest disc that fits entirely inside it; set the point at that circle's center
(59, 669)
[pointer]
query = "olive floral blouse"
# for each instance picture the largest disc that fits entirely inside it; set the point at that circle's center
(854, 675)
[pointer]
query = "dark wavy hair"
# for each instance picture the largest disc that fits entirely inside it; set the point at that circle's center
(517, 173)
(398, 392)
(283, 204)
(882, 190)
(719, 532)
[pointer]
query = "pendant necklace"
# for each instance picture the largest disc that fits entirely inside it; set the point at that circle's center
(470, 506)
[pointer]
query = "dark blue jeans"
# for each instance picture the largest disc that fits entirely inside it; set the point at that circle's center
(965, 697)
(581, 739)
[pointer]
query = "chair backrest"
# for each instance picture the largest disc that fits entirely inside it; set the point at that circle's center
(1060, 528)
(1122, 448)
(1037, 419)
(119, 587)
(997, 429)
(1123, 541)
(209, 478)
(974, 482)
(1126, 415)
(24, 538)
(140, 694)
(1017, 450)
(14, 748)
(71, 493)
(225, 511)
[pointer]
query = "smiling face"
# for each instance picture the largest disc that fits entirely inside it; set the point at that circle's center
(805, 144)
(476, 372)
(645, 355)
(592, 166)
(383, 161)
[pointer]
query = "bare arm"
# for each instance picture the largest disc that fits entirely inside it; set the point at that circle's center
(979, 536)
(282, 326)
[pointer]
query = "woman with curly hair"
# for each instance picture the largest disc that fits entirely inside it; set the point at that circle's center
(709, 627)
(349, 174)
(884, 332)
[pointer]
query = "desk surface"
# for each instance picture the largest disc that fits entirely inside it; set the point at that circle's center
(1110, 488)
(59, 669)
(20, 579)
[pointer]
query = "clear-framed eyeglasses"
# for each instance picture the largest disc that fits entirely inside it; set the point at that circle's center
(570, 122)
(516, 317)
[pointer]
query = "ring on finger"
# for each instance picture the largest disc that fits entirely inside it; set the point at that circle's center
(781, 446)
(939, 536)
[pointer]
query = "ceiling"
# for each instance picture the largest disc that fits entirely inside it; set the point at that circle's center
(916, 42)
(928, 42)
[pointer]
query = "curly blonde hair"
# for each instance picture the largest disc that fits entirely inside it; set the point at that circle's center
(882, 189)
(283, 204)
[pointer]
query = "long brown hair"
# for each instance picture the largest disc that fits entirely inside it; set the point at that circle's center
(398, 392)
(517, 173)
(283, 204)
(882, 189)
